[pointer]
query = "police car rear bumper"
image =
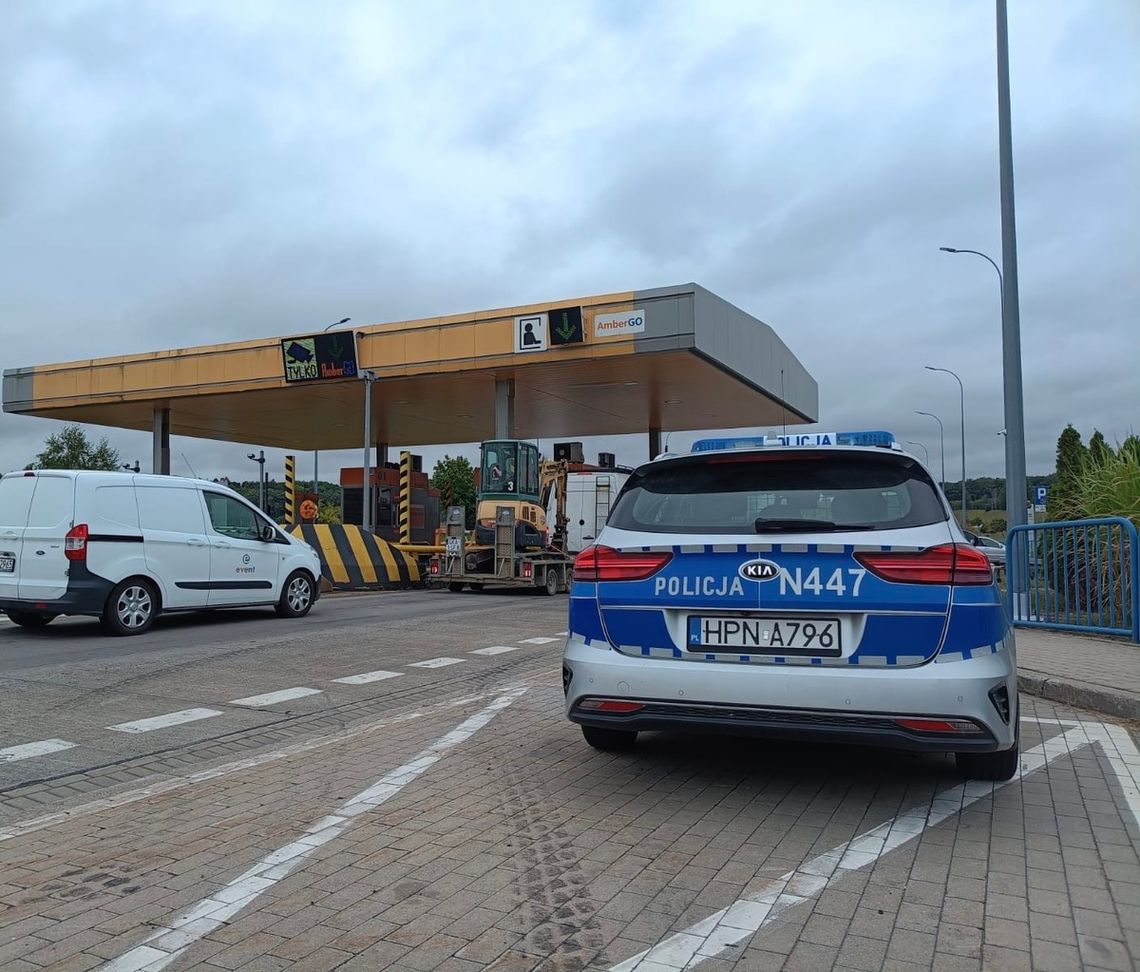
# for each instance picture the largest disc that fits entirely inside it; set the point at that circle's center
(859, 706)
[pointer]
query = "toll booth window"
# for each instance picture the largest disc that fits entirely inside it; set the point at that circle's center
(231, 518)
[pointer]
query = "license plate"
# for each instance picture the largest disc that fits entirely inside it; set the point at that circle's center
(7, 565)
(453, 546)
(767, 636)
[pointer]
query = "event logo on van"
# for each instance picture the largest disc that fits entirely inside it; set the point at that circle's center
(618, 325)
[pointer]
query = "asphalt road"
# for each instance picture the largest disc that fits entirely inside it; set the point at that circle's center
(391, 784)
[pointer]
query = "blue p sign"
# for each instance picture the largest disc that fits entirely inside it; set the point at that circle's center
(1039, 494)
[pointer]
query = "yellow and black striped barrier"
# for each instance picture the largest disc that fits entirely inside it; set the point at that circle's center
(352, 560)
(405, 497)
(290, 489)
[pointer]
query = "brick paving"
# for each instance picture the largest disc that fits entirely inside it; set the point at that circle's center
(523, 849)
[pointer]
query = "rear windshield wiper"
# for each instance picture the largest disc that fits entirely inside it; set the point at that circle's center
(766, 524)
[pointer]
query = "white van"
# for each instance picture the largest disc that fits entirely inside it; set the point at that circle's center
(124, 548)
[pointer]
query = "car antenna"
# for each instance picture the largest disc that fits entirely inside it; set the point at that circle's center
(187, 461)
(783, 404)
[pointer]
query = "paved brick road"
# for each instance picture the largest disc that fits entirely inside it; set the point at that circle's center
(465, 825)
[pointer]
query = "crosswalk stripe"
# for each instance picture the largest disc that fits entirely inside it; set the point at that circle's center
(436, 663)
(494, 650)
(272, 698)
(164, 721)
(366, 677)
(44, 747)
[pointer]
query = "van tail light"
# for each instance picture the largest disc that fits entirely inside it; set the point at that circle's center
(75, 542)
(599, 563)
(952, 564)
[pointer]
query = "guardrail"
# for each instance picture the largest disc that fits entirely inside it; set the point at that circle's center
(1076, 575)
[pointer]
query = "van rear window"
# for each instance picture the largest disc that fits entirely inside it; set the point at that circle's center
(778, 492)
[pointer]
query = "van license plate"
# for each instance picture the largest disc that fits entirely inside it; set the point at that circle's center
(7, 565)
(769, 636)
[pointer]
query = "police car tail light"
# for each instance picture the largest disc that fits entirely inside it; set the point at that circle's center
(75, 542)
(600, 563)
(938, 725)
(947, 564)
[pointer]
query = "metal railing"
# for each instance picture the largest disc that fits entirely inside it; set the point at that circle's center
(1076, 575)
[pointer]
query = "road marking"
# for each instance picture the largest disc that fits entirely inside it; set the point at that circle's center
(741, 920)
(436, 663)
(494, 650)
(164, 945)
(367, 677)
(537, 641)
(272, 698)
(27, 750)
(163, 721)
(563, 634)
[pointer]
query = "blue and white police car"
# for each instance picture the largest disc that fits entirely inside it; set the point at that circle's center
(812, 587)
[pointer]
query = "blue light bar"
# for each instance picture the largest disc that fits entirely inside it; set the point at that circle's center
(883, 440)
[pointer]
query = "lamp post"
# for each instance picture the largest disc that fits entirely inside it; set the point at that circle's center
(260, 460)
(925, 451)
(369, 377)
(962, 407)
(941, 441)
(316, 452)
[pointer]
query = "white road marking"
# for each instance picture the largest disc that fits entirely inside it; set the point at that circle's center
(163, 721)
(367, 677)
(44, 747)
(563, 634)
(494, 650)
(272, 698)
(741, 920)
(164, 945)
(537, 641)
(436, 663)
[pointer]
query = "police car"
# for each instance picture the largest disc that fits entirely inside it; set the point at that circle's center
(811, 587)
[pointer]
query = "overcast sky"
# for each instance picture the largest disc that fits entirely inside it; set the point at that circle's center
(176, 172)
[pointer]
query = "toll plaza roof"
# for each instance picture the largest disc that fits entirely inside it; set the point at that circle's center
(675, 358)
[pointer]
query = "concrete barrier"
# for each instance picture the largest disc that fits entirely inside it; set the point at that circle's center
(352, 560)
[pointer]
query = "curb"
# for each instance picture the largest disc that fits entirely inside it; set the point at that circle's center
(1079, 694)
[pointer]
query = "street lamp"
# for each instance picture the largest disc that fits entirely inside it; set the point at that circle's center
(316, 456)
(941, 440)
(343, 320)
(962, 406)
(369, 377)
(260, 460)
(925, 451)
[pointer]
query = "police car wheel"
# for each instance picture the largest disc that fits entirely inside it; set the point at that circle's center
(999, 766)
(609, 740)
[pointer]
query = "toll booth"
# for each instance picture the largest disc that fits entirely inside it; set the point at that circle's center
(386, 501)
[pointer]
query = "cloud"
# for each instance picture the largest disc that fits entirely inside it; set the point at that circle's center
(190, 172)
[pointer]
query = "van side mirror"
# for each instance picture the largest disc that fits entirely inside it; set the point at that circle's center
(268, 534)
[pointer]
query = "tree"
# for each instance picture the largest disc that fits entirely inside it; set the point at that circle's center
(1099, 450)
(1071, 457)
(71, 449)
(454, 477)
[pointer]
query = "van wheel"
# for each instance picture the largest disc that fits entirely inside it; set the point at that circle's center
(296, 597)
(999, 766)
(31, 619)
(609, 740)
(131, 608)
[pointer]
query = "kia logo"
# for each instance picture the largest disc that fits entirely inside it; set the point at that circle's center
(759, 570)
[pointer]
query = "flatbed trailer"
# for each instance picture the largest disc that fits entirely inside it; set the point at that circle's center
(547, 569)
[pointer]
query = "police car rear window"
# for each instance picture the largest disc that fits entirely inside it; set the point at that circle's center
(778, 492)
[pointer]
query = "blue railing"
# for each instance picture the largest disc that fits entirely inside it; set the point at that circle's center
(1076, 575)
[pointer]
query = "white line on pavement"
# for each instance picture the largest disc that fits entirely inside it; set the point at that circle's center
(272, 698)
(537, 641)
(26, 750)
(494, 650)
(163, 721)
(436, 663)
(729, 926)
(164, 945)
(366, 677)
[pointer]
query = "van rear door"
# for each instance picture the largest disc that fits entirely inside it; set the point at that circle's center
(15, 502)
(43, 567)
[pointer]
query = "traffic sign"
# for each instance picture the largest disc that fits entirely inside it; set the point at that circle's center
(566, 325)
(1040, 498)
(319, 356)
(530, 333)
